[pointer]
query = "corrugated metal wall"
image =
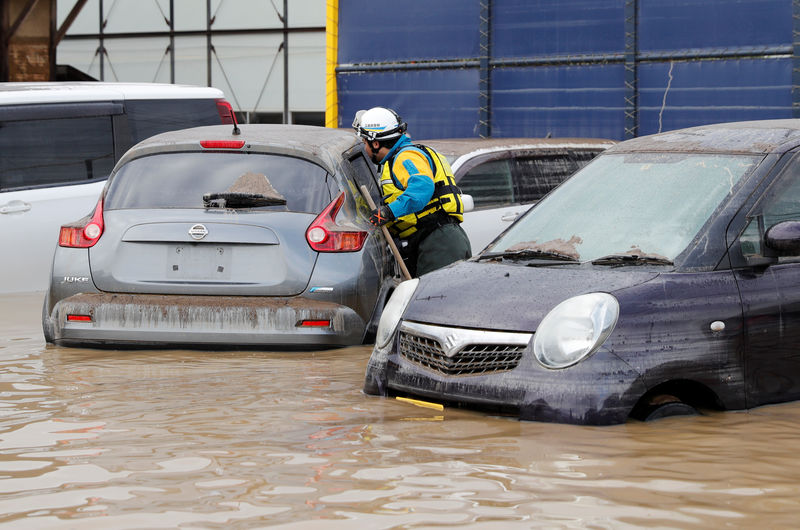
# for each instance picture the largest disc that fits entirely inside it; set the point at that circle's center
(613, 69)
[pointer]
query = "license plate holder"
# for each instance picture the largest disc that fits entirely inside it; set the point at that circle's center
(193, 261)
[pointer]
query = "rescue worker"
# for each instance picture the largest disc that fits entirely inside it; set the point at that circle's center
(422, 204)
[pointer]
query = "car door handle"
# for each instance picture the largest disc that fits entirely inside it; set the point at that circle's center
(15, 207)
(509, 217)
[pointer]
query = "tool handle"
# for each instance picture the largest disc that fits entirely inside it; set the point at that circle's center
(387, 236)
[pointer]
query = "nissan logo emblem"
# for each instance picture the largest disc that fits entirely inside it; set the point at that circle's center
(198, 231)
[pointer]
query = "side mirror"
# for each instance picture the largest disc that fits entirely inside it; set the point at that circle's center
(784, 238)
(469, 204)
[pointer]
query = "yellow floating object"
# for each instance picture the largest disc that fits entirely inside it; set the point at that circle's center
(431, 418)
(425, 404)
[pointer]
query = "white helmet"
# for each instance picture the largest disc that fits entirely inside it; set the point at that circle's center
(378, 123)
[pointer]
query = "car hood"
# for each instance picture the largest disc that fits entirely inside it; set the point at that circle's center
(509, 297)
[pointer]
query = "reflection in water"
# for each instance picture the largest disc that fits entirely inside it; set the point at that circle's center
(163, 439)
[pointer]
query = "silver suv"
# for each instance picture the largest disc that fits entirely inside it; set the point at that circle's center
(58, 144)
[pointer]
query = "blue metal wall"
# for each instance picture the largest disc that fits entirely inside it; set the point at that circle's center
(613, 69)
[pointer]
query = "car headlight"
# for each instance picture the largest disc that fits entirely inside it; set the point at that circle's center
(394, 310)
(574, 329)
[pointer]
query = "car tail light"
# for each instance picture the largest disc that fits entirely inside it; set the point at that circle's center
(226, 114)
(324, 235)
(222, 144)
(79, 318)
(83, 234)
(314, 324)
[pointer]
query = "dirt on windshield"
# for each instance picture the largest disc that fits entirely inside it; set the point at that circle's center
(558, 246)
(137, 439)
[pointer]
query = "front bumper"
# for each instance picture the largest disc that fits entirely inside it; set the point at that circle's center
(216, 321)
(600, 390)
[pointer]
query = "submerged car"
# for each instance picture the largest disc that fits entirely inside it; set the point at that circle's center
(226, 237)
(506, 176)
(661, 279)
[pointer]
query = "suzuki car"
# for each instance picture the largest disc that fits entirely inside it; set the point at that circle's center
(661, 279)
(506, 176)
(226, 237)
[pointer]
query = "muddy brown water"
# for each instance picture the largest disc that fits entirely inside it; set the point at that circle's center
(193, 439)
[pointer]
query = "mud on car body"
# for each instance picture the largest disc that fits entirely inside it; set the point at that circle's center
(661, 279)
(209, 237)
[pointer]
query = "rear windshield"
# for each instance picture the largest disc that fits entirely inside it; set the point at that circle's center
(179, 180)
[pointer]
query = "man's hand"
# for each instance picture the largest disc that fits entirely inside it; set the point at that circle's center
(381, 216)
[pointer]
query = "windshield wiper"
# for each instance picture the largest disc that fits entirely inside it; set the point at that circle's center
(631, 259)
(240, 200)
(528, 254)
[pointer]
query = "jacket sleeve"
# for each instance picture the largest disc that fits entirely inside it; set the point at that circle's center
(411, 168)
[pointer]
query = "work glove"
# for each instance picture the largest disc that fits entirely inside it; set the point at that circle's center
(381, 216)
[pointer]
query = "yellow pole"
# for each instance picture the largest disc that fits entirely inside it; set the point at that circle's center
(331, 58)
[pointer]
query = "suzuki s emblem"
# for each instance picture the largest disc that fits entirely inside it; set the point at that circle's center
(450, 345)
(198, 231)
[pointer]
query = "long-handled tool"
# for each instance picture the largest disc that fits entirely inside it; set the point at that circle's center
(387, 236)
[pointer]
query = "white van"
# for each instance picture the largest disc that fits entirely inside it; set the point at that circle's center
(59, 142)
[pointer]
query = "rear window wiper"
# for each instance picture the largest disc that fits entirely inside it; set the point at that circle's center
(631, 259)
(240, 200)
(528, 254)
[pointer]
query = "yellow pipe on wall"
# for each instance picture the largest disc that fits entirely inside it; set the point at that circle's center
(331, 58)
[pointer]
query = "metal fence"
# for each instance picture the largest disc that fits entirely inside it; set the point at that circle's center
(614, 69)
(266, 55)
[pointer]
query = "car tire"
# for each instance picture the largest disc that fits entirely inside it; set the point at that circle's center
(675, 408)
(47, 324)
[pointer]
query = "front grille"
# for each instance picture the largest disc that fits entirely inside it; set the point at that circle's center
(472, 359)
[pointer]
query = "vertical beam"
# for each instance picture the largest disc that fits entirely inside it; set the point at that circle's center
(484, 74)
(795, 58)
(631, 74)
(208, 42)
(3, 46)
(51, 40)
(285, 61)
(102, 48)
(331, 60)
(172, 41)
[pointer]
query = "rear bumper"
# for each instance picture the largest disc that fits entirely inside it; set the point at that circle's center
(216, 321)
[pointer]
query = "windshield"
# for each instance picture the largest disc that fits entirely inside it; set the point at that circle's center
(643, 204)
(184, 180)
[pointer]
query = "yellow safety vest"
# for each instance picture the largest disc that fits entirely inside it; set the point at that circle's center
(446, 197)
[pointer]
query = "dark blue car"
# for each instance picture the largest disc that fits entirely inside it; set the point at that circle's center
(661, 279)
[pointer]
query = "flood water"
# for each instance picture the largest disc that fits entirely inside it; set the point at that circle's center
(195, 439)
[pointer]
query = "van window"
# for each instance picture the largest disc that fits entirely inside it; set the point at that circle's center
(55, 151)
(489, 183)
(150, 117)
(536, 175)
